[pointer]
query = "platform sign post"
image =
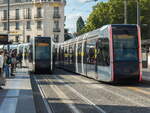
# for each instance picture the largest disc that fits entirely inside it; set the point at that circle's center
(8, 24)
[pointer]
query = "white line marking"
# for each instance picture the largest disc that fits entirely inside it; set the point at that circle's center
(43, 96)
(82, 97)
(67, 101)
(88, 82)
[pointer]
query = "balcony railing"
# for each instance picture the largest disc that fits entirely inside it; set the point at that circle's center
(29, 2)
(57, 0)
(56, 29)
(56, 16)
(10, 19)
(4, 18)
(17, 18)
(38, 16)
(27, 17)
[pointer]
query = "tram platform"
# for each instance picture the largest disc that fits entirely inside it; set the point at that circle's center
(17, 95)
(146, 73)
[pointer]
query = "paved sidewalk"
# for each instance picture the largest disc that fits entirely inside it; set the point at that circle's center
(16, 97)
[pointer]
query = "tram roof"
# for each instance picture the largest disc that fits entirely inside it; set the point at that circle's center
(95, 33)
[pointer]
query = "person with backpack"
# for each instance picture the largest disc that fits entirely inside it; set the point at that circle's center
(7, 63)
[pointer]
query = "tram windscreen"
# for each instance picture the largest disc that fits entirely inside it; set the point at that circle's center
(125, 44)
(42, 51)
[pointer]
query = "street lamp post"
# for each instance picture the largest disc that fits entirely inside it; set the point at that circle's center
(125, 12)
(8, 23)
(138, 13)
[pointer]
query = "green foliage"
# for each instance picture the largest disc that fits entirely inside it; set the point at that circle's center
(112, 12)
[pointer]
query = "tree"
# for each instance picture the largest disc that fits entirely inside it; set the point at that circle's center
(112, 12)
(79, 24)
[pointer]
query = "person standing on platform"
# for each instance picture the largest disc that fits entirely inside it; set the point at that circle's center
(7, 62)
(2, 79)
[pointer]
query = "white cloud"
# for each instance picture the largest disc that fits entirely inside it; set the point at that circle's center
(71, 20)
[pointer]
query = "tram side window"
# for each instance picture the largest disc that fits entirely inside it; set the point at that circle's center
(62, 55)
(85, 54)
(59, 56)
(79, 52)
(68, 56)
(71, 51)
(103, 58)
(91, 51)
(65, 55)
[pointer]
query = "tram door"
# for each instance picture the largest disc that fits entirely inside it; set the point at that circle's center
(103, 60)
(91, 58)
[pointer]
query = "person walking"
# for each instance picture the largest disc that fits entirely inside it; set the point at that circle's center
(2, 79)
(13, 63)
(19, 59)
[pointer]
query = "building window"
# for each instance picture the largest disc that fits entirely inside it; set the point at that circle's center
(28, 0)
(17, 38)
(28, 25)
(56, 38)
(5, 1)
(56, 10)
(5, 14)
(5, 26)
(28, 13)
(17, 25)
(39, 25)
(28, 38)
(56, 24)
(39, 12)
(18, 0)
(17, 14)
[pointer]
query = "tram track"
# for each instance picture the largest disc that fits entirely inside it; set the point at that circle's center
(48, 106)
(135, 101)
(60, 94)
(70, 104)
(63, 95)
(65, 85)
(100, 110)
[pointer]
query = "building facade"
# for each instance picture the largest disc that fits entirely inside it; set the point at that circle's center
(30, 18)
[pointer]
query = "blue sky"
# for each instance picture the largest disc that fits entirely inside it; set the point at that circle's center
(76, 8)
